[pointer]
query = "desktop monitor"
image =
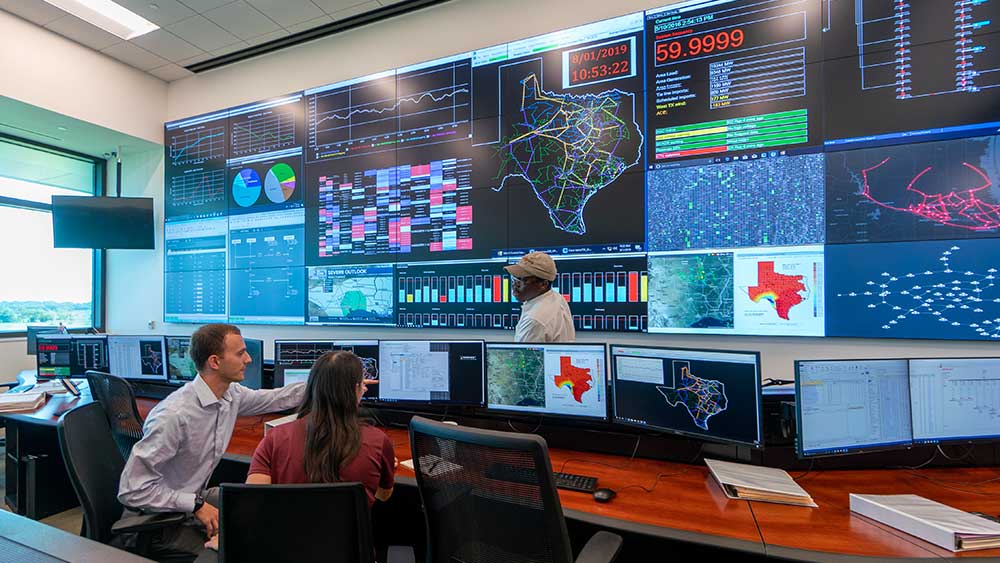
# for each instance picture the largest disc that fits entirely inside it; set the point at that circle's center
(431, 372)
(180, 366)
(294, 358)
(955, 400)
(88, 352)
(851, 406)
(53, 355)
(548, 379)
(33, 331)
(138, 357)
(713, 395)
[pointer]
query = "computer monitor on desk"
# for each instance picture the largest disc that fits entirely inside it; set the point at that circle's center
(181, 368)
(32, 332)
(431, 372)
(89, 352)
(713, 395)
(851, 406)
(955, 400)
(53, 355)
(551, 379)
(294, 358)
(140, 358)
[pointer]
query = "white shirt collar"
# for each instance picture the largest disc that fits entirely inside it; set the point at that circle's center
(205, 394)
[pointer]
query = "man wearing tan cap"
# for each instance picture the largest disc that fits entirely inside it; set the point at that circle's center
(545, 316)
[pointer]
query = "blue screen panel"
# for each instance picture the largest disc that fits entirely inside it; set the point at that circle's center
(267, 295)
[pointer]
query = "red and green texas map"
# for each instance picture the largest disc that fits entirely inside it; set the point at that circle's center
(577, 379)
(781, 290)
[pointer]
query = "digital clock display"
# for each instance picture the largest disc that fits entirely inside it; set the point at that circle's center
(598, 63)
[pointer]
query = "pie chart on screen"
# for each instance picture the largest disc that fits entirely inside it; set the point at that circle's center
(279, 185)
(246, 187)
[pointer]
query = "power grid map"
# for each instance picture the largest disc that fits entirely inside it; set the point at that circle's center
(569, 147)
(703, 398)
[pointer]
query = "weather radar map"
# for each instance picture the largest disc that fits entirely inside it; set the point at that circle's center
(516, 377)
(703, 398)
(351, 295)
(569, 147)
(574, 378)
(690, 291)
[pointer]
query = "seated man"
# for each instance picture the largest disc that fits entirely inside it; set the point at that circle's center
(185, 436)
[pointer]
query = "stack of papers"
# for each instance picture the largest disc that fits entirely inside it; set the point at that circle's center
(751, 482)
(14, 402)
(930, 521)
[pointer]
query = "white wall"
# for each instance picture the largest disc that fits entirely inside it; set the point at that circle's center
(136, 290)
(47, 70)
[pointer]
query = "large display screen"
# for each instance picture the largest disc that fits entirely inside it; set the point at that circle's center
(778, 167)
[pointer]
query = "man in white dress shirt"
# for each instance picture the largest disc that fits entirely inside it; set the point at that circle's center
(545, 316)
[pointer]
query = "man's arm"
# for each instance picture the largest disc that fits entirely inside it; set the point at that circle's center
(142, 484)
(253, 402)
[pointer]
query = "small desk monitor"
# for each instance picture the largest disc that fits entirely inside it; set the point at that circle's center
(294, 358)
(709, 394)
(851, 406)
(180, 366)
(431, 372)
(54, 353)
(549, 379)
(138, 357)
(955, 400)
(89, 352)
(32, 332)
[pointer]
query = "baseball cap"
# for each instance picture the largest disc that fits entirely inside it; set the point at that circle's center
(538, 264)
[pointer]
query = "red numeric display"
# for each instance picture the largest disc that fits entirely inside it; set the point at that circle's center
(672, 50)
(602, 62)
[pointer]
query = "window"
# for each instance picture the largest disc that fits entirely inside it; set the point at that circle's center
(42, 284)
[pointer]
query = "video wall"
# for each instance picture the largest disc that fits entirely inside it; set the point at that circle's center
(755, 167)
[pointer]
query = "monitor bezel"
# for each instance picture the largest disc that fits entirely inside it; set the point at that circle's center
(799, 452)
(615, 420)
(408, 403)
(499, 410)
(951, 440)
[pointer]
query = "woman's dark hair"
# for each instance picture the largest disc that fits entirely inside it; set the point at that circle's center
(333, 427)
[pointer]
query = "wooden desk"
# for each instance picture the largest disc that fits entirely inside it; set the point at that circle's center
(31, 541)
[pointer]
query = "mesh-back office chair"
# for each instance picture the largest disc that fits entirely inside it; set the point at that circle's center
(94, 469)
(313, 522)
(489, 497)
(116, 396)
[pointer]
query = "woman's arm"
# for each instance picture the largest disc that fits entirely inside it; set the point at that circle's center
(262, 479)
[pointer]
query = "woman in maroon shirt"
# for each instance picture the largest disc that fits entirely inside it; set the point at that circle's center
(328, 442)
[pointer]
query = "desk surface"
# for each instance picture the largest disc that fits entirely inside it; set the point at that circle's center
(685, 503)
(34, 541)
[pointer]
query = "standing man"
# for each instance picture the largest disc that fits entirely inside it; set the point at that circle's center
(185, 436)
(545, 316)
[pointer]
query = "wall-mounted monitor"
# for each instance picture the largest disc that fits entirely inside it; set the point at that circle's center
(709, 394)
(102, 222)
(851, 406)
(548, 379)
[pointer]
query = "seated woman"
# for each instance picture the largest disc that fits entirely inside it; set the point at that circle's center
(328, 442)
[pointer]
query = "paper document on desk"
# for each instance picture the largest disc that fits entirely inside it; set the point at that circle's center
(14, 402)
(51, 387)
(928, 520)
(752, 482)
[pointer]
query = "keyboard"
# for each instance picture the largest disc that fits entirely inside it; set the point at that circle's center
(574, 482)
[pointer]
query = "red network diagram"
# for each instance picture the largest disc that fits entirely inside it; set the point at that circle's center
(959, 208)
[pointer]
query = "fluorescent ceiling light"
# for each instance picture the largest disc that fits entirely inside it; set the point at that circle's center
(108, 16)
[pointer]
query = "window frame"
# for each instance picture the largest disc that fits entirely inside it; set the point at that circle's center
(98, 311)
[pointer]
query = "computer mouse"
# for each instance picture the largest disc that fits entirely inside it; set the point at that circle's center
(604, 495)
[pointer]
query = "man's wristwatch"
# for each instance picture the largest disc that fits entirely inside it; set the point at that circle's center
(199, 500)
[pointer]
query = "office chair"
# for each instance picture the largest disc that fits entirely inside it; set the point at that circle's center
(116, 396)
(489, 496)
(313, 522)
(94, 469)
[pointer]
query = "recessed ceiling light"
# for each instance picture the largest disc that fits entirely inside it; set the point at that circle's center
(108, 16)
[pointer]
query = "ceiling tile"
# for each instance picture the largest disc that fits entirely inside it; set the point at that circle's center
(84, 33)
(287, 12)
(334, 6)
(167, 45)
(202, 6)
(135, 56)
(171, 72)
(37, 11)
(267, 37)
(230, 49)
(311, 24)
(355, 10)
(202, 33)
(242, 20)
(195, 60)
(165, 13)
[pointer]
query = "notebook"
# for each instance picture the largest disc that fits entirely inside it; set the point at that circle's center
(14, 402)
(752, 482)
(931, 521)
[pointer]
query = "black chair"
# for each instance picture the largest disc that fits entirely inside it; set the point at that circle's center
(94, 469)
(489, 496)
(118, 399)
(314, 522)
